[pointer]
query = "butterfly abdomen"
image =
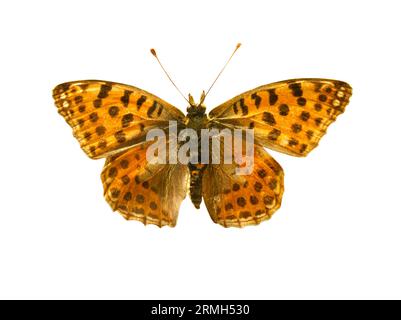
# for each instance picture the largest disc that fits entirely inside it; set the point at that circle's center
(195, 187)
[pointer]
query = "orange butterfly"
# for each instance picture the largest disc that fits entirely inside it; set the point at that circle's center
(111, 120)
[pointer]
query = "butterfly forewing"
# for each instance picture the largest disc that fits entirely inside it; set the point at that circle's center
(288, 116)
(108, 117)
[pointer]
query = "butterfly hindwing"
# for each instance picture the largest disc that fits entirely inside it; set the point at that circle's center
(108, 117)
(139, 190)
(239, 200)
(288, 116)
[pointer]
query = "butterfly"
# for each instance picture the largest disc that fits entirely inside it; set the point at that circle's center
(111, 120)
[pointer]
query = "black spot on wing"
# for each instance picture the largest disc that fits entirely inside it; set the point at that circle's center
(268, 118)
(273, 97)
(104, 91)
(296, 89)
(244, 107)
(152, 109)
(140, 101)
(257, 99)
(125, 98)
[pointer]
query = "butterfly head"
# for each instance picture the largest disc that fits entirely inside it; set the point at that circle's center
(194, 108)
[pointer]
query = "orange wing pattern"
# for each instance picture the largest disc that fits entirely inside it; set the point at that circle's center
(150, 193)
(108, 117)
(288, 116)
(240, 200)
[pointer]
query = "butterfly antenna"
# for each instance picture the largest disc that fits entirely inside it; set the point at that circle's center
(207, 92)
(153, 51)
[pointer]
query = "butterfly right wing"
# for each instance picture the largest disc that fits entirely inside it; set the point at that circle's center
(240, 200)
(108, 117)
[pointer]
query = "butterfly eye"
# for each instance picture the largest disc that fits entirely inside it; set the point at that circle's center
(202, 108)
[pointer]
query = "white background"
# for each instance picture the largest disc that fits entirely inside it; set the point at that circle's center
(337, 234)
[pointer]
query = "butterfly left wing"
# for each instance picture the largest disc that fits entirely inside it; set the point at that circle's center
(289, 116)
(138, 190)
(239, 200)
(108, 117)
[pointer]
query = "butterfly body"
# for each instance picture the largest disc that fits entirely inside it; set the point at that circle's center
(197, 120)
(112, 120)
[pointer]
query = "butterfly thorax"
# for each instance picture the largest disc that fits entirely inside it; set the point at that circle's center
(197, 120)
